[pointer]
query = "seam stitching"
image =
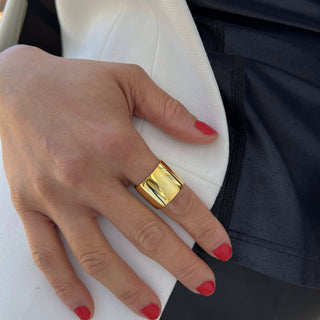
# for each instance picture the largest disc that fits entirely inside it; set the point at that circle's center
(237, 147)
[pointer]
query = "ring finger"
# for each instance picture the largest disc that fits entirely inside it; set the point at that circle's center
(98, 259)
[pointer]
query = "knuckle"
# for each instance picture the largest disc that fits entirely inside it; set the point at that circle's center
(63, 290)
(18, 197)
(42, 257)
(94, 262)
(173, 109)
(136, 75)
(149, 237)
(130, 295)
(205, 232)
(184, 204)
(129, 72)
(42, 186)
(112, 141)
(189, 271)
(19, 52)
(136, 69)
(70, 172)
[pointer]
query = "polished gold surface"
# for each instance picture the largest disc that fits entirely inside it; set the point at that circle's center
(161, 186)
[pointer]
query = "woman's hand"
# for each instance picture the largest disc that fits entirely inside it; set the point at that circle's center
(70, 151)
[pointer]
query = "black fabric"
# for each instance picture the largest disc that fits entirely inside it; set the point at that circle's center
(237, 137)
(266, 59)
(301, 14)
(273, 212)
(41, 27)
(242, 294)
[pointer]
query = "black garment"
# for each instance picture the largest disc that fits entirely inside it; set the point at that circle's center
(243, 294)
(41, 27)
(266, 59)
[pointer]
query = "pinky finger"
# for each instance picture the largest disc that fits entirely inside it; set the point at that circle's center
(50, 257)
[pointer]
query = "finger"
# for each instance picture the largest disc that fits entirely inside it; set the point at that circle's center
(49, 255)
(153, 237)
(98, 259)
(186, 209)
(155, 105)
(191, 213)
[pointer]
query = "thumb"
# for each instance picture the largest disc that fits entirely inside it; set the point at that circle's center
(155, 105)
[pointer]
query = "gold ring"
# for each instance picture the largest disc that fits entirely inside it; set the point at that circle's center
(161, 186)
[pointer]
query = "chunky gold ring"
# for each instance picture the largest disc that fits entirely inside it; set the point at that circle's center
(161, 186)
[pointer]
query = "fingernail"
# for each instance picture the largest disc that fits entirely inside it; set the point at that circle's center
(151, 311)
(204, 128)
(82, 312)
(223, 252)
(207, 288)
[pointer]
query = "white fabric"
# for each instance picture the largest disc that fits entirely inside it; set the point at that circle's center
(11, 22)
(161, 37)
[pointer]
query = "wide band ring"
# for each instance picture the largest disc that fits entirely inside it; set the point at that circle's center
(161, 186)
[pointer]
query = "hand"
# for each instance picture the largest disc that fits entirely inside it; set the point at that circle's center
(70, 149)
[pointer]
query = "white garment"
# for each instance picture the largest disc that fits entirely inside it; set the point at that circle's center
(160, 36)
(11, 22)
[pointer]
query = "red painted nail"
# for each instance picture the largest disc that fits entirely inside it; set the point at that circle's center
(152, 311)
(207, 288)
(223, 252)
(204, 128)
(82, 312)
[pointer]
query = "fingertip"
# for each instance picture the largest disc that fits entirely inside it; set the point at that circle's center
(200, 133)
(207, 288)
(83, 312)
(192, 131)
(223, 252)
(82, 303)
(204, 128)
(151, 311)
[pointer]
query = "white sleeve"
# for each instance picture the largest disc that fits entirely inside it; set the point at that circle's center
(11, 23)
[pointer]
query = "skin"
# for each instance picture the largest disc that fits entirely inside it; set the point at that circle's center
(70, 149)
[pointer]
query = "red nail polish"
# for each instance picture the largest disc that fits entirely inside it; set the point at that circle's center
(223, 252)
(207, 288)
(152, 311)
(204, 128)
(82, 312)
